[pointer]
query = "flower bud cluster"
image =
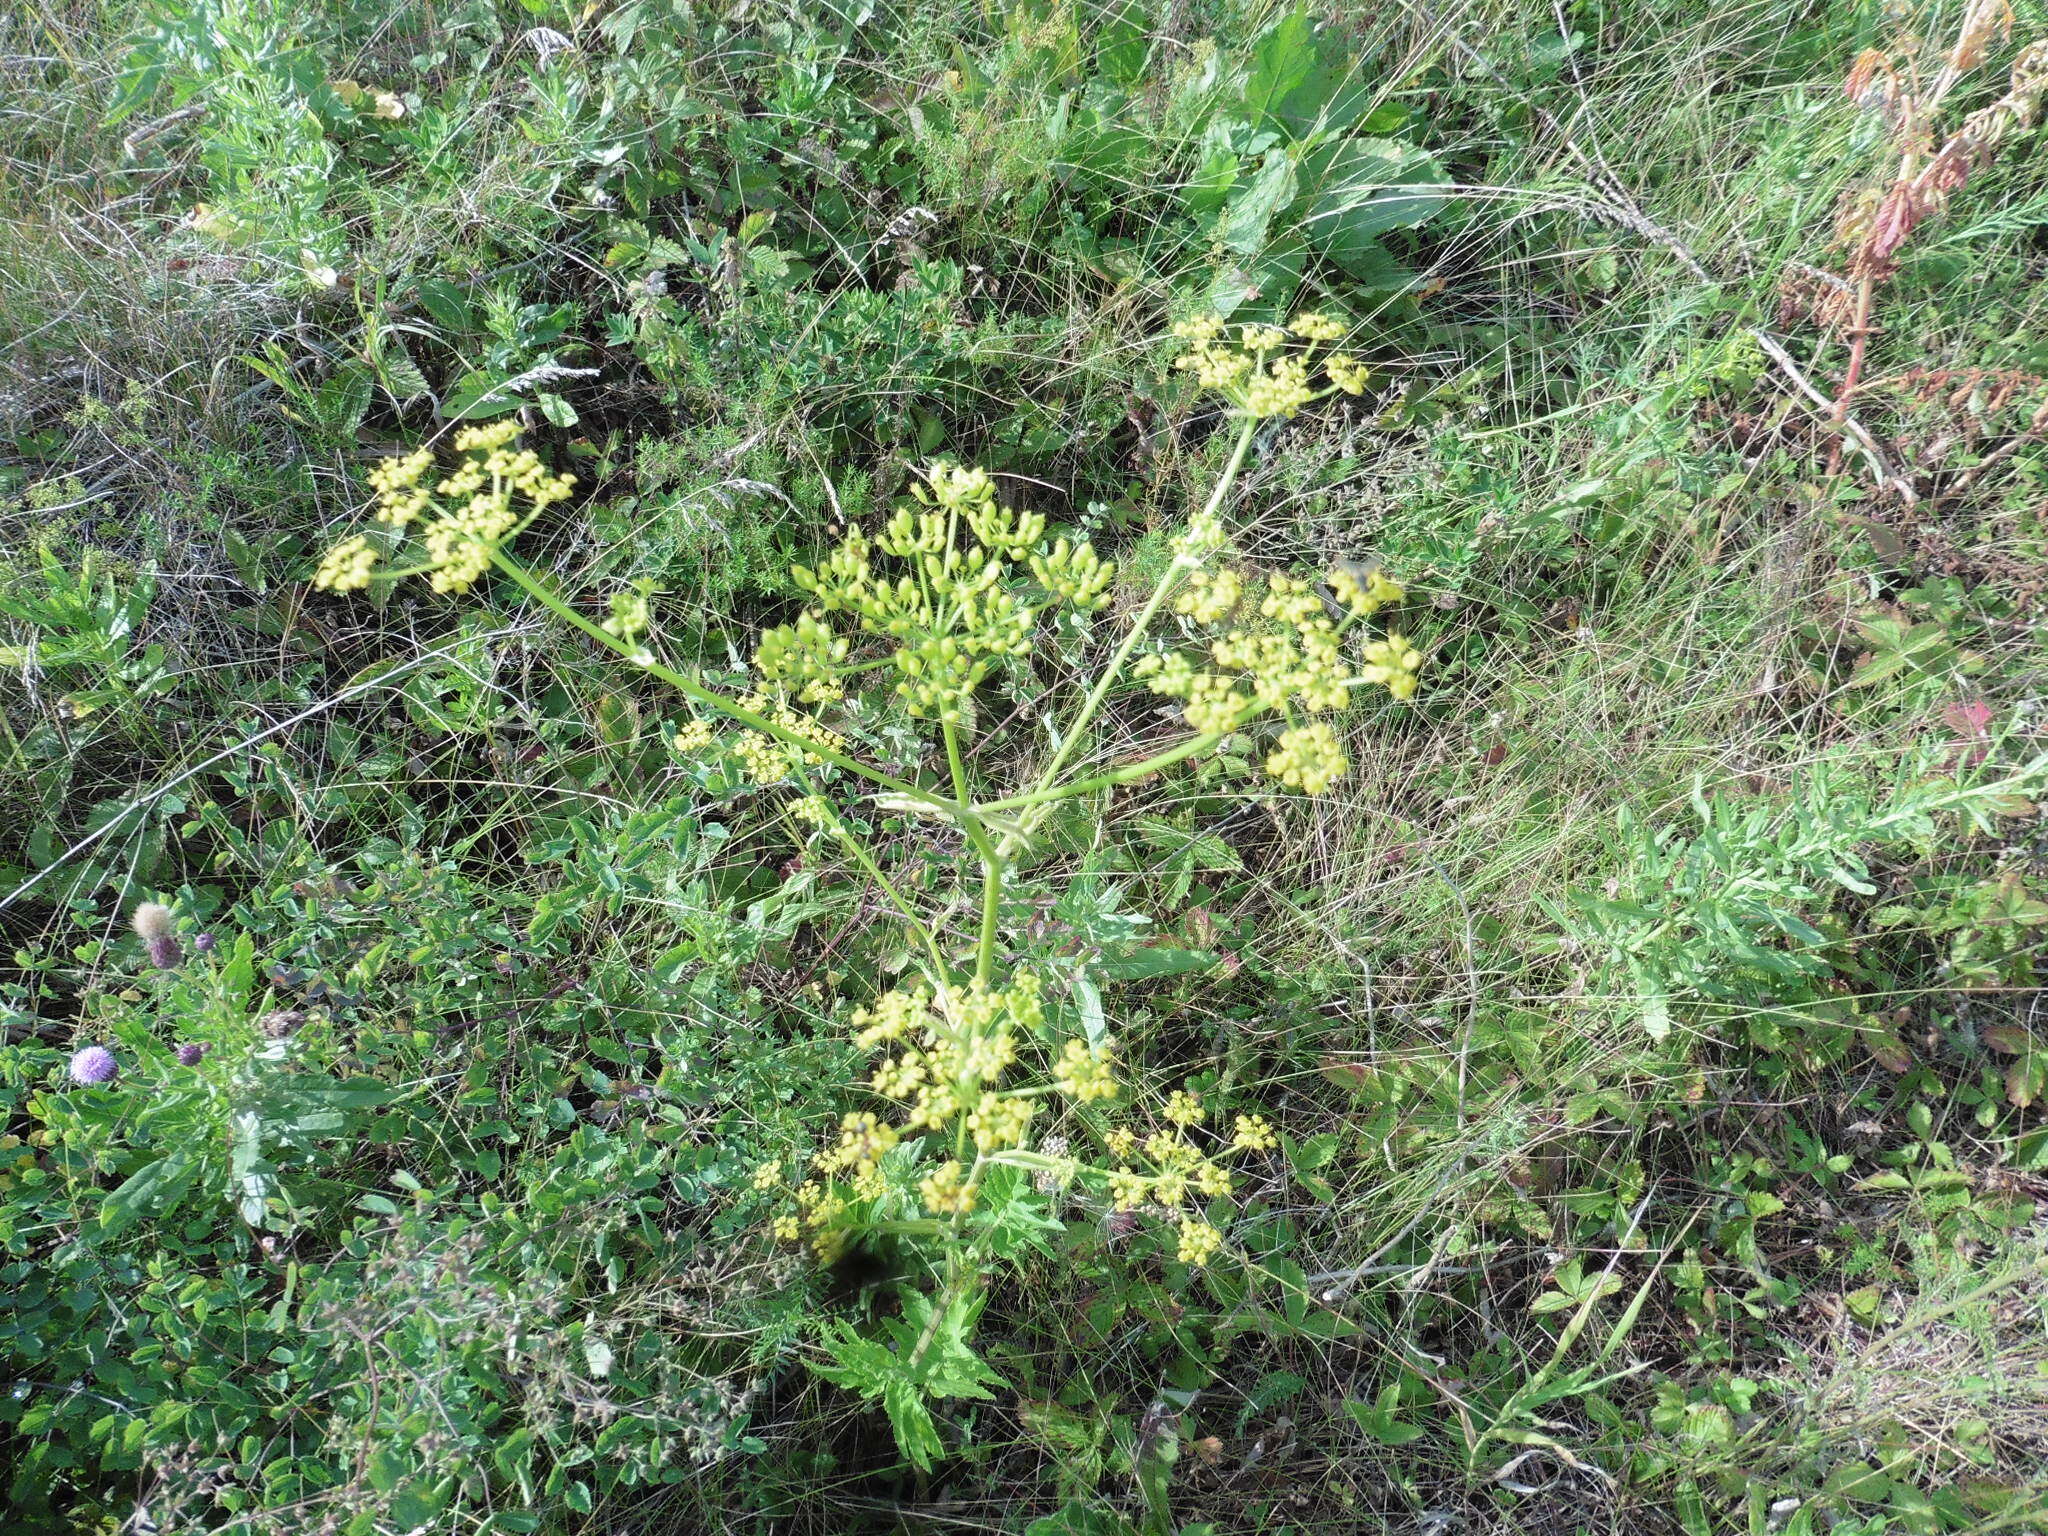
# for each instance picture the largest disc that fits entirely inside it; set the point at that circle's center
(1274, 648)
(493, 492)
(955, 585)
(1257, 374)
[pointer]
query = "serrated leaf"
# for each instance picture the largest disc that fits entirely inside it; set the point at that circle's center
(1248, 213)
(2010, 1039)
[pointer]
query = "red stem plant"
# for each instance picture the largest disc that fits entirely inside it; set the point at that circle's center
(1876, 224)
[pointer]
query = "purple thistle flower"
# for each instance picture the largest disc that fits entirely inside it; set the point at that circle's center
(204, 943)
(94, 1064)
(192, 1053)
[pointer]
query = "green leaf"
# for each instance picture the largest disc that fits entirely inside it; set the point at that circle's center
(1312, 1152)
(1123, 42)
(916, 1435)
(1088, 1000)
(1212, 180)
(928, 1357)
(1248, 213)
(1154, 960)
(467, 400)
(1361, 189)
(1268, 280)
(387, 1468)
(1381, 1424)
(160, 1183)
(1281, 60)
(445, 302)
(1656, 1011)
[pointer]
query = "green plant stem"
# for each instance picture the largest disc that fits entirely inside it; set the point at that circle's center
(699, 694)
(985, 848)
(1193, 746)
(955, 762)
(1071, 738)
(991, 896)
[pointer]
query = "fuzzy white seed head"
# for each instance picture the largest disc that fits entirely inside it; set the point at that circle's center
(152, 921)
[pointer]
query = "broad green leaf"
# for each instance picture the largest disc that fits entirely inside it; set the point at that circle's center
(1381, 1423)
(445, 302)
(387, 1468)
(1248, 213)
(1154, 960)
(1123, 41)
(1281, 60)
(472, 398)
(1267, 281)
(1359, 189)
(155, 1185)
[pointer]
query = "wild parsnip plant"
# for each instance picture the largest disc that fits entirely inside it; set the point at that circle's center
(1683, 1179)
(913, 622)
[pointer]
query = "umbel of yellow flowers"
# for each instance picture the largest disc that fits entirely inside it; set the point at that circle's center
(494, 492)
(946, 1060)
(955, 585)
(1258, 375)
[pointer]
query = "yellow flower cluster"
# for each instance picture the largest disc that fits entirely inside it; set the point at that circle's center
(813, 811)
(765, 759)
(1254, 1134)
(951, 603)
(944, 1053)
(1284, 654)
(947, 1053)
(863, 1139)
(629, 616)
(894, 1016)
(797, 724)
(1198, 1241)
(1312, 326)
(483, 502)
(347, 566)
(1347, 373)
(1083, 1072)
(819, 1208)
(946, 1192)
(1166, 1168)
(998, 1121)
(397, 481)
(480, 503)
(1209, 596)
(1394, 663)
(1308, 758)
(1364, 598)
(1179, 1172)
(1255, 374)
